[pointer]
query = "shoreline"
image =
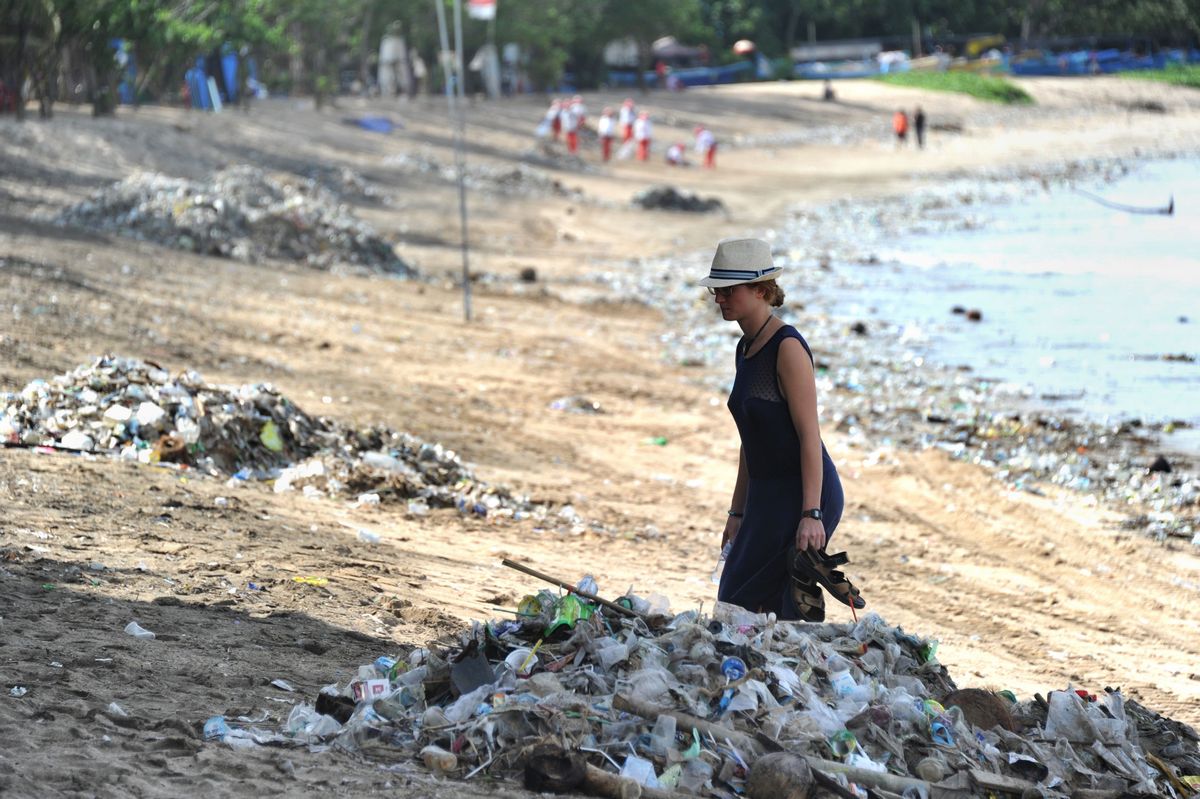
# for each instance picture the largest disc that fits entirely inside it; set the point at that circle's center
(1021, 439)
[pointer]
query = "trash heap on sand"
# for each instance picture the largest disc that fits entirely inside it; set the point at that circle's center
(670, 198)
(138, 411)
(624, 699)
(241, 213)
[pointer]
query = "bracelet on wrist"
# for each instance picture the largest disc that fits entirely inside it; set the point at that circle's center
(737, 514)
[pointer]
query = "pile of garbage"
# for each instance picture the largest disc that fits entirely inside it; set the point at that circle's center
(344, 182)
(622, 698)
(138, 411)
(669, 198)
(241, 213)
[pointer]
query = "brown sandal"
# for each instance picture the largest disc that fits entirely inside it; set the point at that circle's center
(818, 567)
(806, 592)
(809, 599)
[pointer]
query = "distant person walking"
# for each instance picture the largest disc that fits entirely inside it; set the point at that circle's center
(625, 118)
(900, 126)
(827, 94)
(570, 126)
(605, 129)
(643, 132)
(553, 118)
(706, 146)
(919, 127)
(579, 109)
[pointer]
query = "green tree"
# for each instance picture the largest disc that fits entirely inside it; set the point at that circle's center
(647, 20)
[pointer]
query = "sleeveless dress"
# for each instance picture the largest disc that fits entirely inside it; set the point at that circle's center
(756, 571)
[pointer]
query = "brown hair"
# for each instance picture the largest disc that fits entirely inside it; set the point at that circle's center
(771, 292)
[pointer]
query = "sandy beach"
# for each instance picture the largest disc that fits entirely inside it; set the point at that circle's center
(1025, 591)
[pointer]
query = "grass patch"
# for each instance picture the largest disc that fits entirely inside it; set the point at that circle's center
(985, 87)
(1178, 74)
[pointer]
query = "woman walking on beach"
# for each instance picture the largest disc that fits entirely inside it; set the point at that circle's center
(787, 499)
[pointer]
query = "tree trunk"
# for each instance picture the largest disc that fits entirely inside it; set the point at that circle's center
(296, 59)
(365, 49)
(47, 81)
(789, 38)
(18, 82)
(102, 89)
(643, 64)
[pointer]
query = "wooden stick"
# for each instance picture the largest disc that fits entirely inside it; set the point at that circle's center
(599, 782)
(831, 785)
(718, 731)
(573, 589)
(890, 782)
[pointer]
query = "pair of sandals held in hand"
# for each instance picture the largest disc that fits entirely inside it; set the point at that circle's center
(810, 571)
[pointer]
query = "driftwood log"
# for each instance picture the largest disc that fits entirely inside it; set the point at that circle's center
(598, 782)
(744, 743)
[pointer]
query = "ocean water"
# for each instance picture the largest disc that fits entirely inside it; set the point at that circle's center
(1085, 306)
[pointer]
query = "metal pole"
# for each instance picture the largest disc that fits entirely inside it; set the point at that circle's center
(451, 105)
(461, 157)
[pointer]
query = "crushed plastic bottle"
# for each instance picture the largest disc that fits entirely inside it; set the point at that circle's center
(720, 567)
(215, 729)
(640, 771)
(588, 584)
(138, 631)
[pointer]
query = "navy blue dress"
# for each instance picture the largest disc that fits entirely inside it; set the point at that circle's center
(756, 574)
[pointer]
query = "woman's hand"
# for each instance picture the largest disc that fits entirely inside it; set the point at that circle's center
(810, 534)
(732, 525)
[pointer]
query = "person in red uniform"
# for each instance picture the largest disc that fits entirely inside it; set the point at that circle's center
(643, 132)
(706, 146)
(605, 129)
(570, 126)
(626, 116)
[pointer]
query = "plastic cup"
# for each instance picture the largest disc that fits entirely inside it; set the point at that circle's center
(521, 661)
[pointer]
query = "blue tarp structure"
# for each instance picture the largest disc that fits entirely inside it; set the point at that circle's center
(821, 70)
(197, 81)
(127, 88)
(373, 124)
(1096, 62)
(689, 76)
(222, 66)
(1085, 62)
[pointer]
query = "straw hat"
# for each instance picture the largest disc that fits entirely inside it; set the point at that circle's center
(741, 261)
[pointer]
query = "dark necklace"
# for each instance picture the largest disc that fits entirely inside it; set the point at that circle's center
(747, 345)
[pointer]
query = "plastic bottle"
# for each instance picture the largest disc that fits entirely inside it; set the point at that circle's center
(733, 668)
(720, 568)
(662, 737)
(839, 675)
(438, 760)
(640, 771)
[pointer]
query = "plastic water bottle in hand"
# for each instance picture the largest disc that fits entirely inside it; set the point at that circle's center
(716, 575)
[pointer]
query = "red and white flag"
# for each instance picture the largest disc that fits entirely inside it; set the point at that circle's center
(481, 9)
